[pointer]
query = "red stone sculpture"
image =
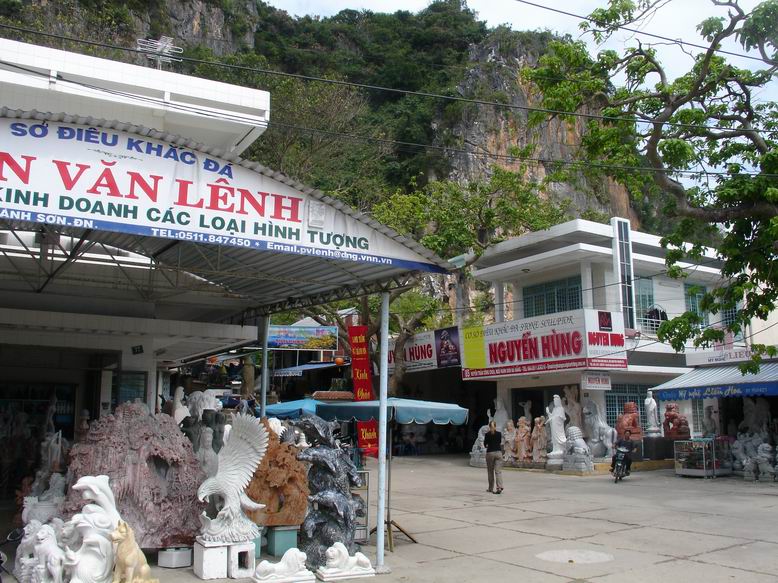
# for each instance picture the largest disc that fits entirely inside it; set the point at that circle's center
(676, 426)
(153, 474)
(629, 419)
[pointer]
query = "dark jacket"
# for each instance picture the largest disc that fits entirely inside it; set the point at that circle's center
(493, 441)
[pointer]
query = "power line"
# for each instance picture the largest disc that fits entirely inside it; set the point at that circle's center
(404, 146)
(369, 87)
(641, 32)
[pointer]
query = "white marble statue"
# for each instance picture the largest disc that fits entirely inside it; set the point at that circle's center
(199, 401)
(49, 558)
(290, 569)
(56, 490)
(24, 562)
(556, 422)
(765, 458)
(739, 456)
(756, 415)
(341, 566)
(710, 423)
(653, 427)
(527, 406)
(208, 459)
(578, 457)
(180, 411)
(478, 451)
(500, 416)
(238, 460)
(93, 560)
(600, 437)
(572, 406)
(276, 425)
(509, 442)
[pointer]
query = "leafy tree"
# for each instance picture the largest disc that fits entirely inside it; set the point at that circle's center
(704, 146)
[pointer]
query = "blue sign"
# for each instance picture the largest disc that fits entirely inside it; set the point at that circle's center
(766, 389)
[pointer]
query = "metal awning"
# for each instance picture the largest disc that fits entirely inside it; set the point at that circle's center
(297, 371)
(720, 381)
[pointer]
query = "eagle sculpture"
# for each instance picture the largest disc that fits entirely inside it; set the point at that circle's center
(238, 460)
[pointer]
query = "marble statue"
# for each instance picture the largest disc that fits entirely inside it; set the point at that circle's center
(280, 483)
(56, 490)
(478, 451)
(765, 459)
(629, 420)
(24, 562)
(539, 441)
(208, 459)
(500, 416)
(49, 557)
(509, 441)
(290, 569)
(750, 469)
(50, 412)
(527, 406)
(153, 473)
(556, 420)
(332, 507)
(739, 456)
(276, 426)
(600, 437)
(342, 566)
(756, 414)
(573, 406)
(238, 460)
(192, 429)
(199, 401)
(180, 411)
(676, 426)
(709, 423)
(651, 409)
(578, 457)
(131, 565)
(524, 441)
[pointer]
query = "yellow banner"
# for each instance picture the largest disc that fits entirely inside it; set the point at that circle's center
(473, 347)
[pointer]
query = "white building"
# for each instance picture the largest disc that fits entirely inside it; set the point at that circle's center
(583, 265)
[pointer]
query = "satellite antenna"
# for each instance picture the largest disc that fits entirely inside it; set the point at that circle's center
(161, 50)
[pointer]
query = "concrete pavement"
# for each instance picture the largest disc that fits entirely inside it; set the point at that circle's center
(652, 527)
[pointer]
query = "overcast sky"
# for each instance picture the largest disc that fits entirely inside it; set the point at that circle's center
(677, 19)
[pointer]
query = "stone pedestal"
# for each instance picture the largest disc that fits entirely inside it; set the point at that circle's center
(578, 463)
(657, 448)
(280, 539)
(554, 463)
(175, 558)
(652, 433)
(241, 560)
(210, 562)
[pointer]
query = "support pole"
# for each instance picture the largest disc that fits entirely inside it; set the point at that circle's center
(382, 388)
(264, 331)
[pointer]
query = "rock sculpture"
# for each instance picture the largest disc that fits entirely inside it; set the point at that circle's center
(652, 415)
(524, 441)
(238, 460)
(500, 416)
(207, 457)
(676, 426)
(629, 420)
(509, 441)
(578, 456)
(280, 484)
(342, 566)
(556, 419)
(600, 437)
(49, 557)
(290, 569)
(478, 451)
(131, 565)
(539, 441)
(332, 508)
(152, 469)
(573, 406)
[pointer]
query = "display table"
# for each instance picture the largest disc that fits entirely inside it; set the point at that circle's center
(698, 458)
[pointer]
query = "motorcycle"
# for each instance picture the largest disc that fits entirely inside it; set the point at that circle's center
(620, 468)
(13, 537)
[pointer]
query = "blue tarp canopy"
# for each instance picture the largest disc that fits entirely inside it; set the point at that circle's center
(293, 409)
(401, 410)
(721, 381)
(297, 371)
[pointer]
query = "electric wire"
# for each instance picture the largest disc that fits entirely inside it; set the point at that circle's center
(370, 87)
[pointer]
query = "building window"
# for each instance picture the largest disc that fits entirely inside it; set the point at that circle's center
(623, 393)
(698, 415)
(624, 250)
(728, 318)
(552, 297)
(694, 295)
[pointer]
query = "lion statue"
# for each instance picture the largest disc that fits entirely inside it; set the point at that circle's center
(291, 566)
(340, 563)
(49, 556)
(600, 437)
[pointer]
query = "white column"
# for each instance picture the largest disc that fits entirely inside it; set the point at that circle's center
(382, 392)
(586, 285)
(499, 301)
(518, 301)
(264, 330)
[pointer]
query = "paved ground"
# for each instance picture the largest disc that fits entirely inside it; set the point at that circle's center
(652, 527)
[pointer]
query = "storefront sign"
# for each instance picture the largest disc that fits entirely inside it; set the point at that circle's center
(429, 350)
(595, 381)
(68, 175)
(361, 367)
(700, 358)
(303, 338)
(578, 339)
(766, 389)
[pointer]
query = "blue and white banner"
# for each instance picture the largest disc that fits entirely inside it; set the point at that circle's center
(766, 389)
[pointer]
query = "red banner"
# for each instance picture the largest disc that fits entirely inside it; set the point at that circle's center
(367, 431)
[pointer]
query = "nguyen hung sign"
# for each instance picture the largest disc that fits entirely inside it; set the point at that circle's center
(580, 339)
(75, 176)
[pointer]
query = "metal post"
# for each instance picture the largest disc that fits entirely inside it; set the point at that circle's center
(382, 388)
(264, 332)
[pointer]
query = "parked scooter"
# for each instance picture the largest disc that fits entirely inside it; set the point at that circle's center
(13, 537)
(620, 468)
